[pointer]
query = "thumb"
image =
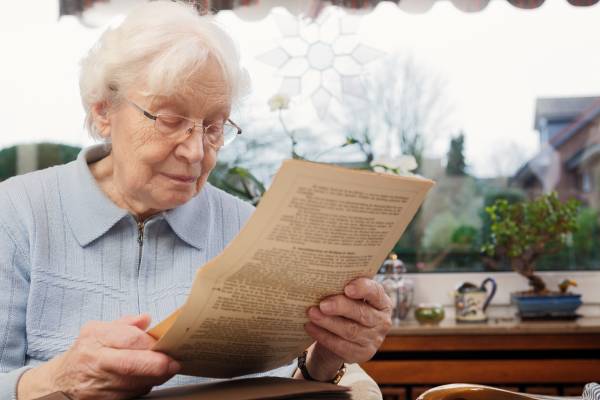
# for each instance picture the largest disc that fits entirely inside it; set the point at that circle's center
(141, 321)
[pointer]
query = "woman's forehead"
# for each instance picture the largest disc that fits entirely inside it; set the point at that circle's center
(190, 104)
(205, 90)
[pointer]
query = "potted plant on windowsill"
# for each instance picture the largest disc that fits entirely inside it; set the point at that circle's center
(524, 231)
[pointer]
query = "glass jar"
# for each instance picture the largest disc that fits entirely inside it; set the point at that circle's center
(397, 286)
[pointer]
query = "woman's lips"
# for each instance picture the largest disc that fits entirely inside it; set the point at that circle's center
(181, 178)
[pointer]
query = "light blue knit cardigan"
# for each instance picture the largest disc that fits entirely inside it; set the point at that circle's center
(69, 255)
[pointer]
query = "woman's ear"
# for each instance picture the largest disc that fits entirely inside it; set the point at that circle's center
(100, 118)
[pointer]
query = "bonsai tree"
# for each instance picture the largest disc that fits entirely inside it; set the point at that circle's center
(526, 230)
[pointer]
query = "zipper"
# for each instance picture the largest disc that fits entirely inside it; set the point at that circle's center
(140, 240)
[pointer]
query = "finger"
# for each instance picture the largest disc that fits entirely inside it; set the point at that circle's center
(347, 351)
(356, 310)
(345, 328)
(121, 336)
(369, 290)
(142, 321)
(141, 363)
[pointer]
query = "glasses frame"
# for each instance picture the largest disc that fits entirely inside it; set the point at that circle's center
(195, 123)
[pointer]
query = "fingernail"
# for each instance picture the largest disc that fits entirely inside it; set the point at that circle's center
(314, 313)
(350, 290)
(326, 306)
(174, 367)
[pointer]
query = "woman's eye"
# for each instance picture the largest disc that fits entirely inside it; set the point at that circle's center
(170, 121)
(214, 129)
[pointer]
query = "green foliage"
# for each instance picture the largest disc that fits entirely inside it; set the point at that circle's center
(438, 233)
(350, 141)
(587, 221)
(50, 154)
(456, 165)
(466, 236)
(586, 242)
(536, 226)
(8, 162)
(242, 183)
(237, 181)
(363, 143)
(524, 231)
(510, 195)
(406, 247)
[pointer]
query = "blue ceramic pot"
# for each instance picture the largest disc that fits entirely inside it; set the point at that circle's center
(559, 305)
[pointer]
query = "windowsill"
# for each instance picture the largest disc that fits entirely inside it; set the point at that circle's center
(502, 320)
(439, 287)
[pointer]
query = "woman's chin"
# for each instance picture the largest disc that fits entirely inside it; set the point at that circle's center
(175, 200)
(172, 197)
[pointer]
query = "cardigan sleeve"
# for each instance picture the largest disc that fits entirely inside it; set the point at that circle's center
(14, 290)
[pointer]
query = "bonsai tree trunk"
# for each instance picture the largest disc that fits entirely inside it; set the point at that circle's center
(527, 269)
(536, 283)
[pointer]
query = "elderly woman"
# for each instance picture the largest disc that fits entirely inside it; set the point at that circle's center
(91, 251)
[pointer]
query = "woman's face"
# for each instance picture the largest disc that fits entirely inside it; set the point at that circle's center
(152, 172)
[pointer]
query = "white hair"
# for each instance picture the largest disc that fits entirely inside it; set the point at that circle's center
(163, 41)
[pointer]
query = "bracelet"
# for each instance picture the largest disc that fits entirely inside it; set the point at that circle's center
(306, 375)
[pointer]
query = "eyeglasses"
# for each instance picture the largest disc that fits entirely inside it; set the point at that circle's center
(175, 126)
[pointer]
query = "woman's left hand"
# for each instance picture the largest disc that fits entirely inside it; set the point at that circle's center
(348, 327)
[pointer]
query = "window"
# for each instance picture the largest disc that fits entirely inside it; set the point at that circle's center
(586, 182)
(487, 111)
(492, 104)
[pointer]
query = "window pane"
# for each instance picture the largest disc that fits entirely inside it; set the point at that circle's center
(492, 105)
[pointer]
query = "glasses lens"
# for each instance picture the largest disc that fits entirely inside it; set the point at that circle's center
(213, 134)
(171, 124)
(230, 132)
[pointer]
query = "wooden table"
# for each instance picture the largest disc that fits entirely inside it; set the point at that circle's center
(502, 352)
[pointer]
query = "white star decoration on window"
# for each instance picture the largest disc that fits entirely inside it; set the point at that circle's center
(319, 59)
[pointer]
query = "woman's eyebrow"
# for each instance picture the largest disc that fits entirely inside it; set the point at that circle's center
(220, 109)
(220, 114)
(181, 106)
(173, 104)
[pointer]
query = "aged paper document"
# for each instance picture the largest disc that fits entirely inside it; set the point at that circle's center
(317, 227)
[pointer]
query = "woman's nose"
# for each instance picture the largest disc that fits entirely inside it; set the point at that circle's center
(192, 148)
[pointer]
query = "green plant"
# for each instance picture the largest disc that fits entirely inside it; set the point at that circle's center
(8, 162)
(524, 231)
(50, 154)
(237, 181)
(586, 241)
(509, 194)
(466, 236)
(456, 165)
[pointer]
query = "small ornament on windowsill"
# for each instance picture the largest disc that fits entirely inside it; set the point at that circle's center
(392, 276)
(564, 285)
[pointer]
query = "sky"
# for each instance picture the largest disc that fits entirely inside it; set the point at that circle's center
(495, 63)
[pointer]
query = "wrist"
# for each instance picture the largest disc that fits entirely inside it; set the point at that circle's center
(35, 382)
(322, 367)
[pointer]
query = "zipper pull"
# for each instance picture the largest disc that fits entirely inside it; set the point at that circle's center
(140, 226)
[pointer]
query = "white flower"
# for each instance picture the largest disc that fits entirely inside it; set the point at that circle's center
(279, 102)
(401, 165)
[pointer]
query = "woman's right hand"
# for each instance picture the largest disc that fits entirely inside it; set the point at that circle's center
(109, 360)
